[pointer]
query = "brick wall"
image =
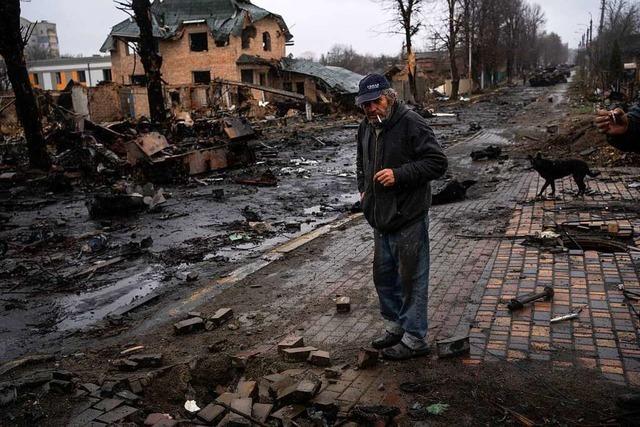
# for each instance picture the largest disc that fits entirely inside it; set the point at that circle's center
(104, 103)
(140, 102)
(179, 62)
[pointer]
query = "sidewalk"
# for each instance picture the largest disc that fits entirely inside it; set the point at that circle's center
(473, 278)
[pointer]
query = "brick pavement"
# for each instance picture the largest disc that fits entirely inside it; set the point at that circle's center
(477, 264)
(605, 337)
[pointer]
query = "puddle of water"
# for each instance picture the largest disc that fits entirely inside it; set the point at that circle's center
(89, 307)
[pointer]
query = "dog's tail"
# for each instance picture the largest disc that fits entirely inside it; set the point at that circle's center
(593, 174)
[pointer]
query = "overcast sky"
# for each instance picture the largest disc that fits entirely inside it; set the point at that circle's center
(316, 24)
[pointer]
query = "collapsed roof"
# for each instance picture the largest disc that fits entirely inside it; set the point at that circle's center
(223, 17)
(338, 79)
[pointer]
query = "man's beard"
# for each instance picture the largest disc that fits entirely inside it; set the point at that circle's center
(378, 120)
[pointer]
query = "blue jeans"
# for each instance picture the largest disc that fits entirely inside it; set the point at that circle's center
(401, 277)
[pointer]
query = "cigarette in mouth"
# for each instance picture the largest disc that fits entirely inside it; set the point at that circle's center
(379, 119)
(614, 118)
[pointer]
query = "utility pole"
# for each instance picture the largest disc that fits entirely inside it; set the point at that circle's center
(470, 73)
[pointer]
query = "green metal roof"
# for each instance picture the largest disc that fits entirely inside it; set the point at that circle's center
(223, 17)
(338, 79)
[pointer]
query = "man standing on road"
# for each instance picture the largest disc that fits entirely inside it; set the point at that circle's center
(398, 156)
(622, 130)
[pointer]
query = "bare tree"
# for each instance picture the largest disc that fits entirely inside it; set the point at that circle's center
(346, 57)
(406, 21)
(140, 11)
(36, 52)
(450, 38)
(12, 45)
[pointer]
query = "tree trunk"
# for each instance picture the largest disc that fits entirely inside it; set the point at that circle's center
(12, 50)
(151, 60)
(453, 35)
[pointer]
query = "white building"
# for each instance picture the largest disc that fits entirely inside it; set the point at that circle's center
(55, 74)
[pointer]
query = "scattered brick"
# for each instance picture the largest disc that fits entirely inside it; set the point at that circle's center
(307, 389)
(212, 412)
(108, 404)
(243, 405)
(153, 419)
(367, 358)
(247, 389)
(135, 386)
(190, 325)
(290, 342)
(261, 411)
(298, 354)
(221, 316)
(343, 304)
(147, 360)
(117, 415)
(320, 358)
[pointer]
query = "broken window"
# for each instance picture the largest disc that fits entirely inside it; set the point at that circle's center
(300, 87)
(106, 75)
(222, 43)
(198, 42)
(248, 34)
(202, 77)
(246, 76)
(139, 79)
(82, 76)
(127, 49)
(288, 86)
(175, 97)
(58, 78)
(263, 79)
(266, 41)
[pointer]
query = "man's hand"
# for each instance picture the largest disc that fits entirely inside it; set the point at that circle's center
(385, 177)
(613, 122)
(361, 197)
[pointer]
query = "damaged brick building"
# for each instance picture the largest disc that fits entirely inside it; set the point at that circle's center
(208, 43)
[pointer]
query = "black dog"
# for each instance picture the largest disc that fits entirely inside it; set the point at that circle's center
(551, 170)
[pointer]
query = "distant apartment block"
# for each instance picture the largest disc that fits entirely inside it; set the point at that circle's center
(55, 74)
(44, 36)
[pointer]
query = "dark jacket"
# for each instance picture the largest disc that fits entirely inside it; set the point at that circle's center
(630, 141)
(408, 146)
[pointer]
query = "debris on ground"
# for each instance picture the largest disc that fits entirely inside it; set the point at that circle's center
(491, 152)
(453, 191)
